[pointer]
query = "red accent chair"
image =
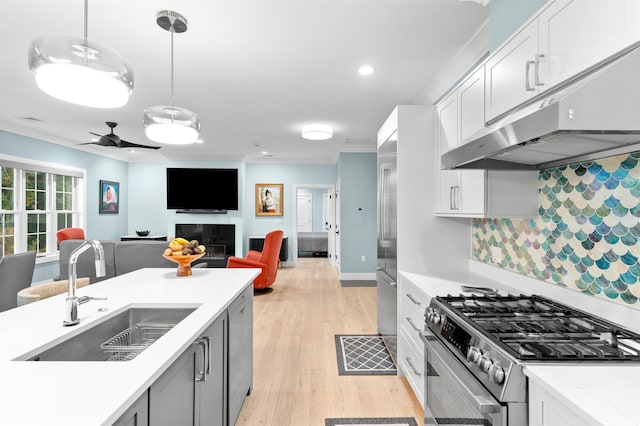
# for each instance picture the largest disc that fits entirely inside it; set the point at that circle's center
(70, 234)
(267, 260)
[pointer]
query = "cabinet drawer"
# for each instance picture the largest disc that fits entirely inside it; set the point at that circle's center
(413, 306)
(238, 305)
(411, 363)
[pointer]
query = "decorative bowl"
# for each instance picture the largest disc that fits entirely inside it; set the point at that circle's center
(184, 263)
(142, 233)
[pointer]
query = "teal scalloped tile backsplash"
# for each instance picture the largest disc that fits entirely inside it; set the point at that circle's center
(586, 235)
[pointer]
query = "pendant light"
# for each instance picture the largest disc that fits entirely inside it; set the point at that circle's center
(170, 124)
(80, 71)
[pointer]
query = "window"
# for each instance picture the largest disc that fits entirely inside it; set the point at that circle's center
(37, 200)
(7, 210)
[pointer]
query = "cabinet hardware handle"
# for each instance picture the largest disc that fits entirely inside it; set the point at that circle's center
(416, 372)
(393, 284)
(208, 339)
(454, 197)
(451, 198)
(413, 299)
(537, 69)
(410, 321)
(205, 343)
(528, 87)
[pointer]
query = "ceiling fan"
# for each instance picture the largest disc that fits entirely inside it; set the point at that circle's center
(113, 140)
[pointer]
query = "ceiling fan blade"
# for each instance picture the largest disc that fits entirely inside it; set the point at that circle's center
(102, 142)
(127, 144)
(95, 134)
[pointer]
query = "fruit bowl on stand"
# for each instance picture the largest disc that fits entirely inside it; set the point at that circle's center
(184, 262)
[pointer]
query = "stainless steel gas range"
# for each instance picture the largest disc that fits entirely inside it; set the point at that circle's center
(477, 345)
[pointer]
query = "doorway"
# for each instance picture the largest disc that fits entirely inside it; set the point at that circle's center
(314, 232)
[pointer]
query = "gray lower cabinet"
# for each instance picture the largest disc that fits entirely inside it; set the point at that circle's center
(172, 398)
(212, 391)
(191, 391)
(209, 382)
(240, 341)
(137, 414)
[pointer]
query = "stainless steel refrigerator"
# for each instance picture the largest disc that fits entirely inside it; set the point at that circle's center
(387, 268)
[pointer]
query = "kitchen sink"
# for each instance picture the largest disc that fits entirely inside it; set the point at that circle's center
(118, 338)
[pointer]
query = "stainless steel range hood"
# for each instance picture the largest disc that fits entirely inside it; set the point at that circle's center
(595, 116)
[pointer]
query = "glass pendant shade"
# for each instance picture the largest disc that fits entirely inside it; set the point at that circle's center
(80, 71)
(171, 125)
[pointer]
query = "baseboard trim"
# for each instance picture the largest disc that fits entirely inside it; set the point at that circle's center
(359, 276)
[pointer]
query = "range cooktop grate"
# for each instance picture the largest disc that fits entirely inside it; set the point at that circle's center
(534, 328)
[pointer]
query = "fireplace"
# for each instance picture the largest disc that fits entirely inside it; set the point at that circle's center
(220, 241)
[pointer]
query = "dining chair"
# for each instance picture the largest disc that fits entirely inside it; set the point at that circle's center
(43, 291)
(70, 234)
(16, 273)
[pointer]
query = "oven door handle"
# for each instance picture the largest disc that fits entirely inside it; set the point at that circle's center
(485, 404)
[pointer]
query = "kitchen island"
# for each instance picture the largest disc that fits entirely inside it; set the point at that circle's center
(99, 393)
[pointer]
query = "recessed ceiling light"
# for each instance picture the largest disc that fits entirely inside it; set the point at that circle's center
(265, 153)
(366, 70)
(317, 132)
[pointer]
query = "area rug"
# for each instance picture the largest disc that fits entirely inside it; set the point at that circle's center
(363, 355)
(387, 421)
(358, 283)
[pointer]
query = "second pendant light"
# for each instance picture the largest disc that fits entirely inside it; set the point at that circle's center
(170, 124)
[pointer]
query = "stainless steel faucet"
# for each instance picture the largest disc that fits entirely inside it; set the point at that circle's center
(71, 312)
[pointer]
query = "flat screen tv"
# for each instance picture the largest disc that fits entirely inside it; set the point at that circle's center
(202, 189)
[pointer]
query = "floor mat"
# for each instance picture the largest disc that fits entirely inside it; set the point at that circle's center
(363, 355)
(391, 421)
(358, 283)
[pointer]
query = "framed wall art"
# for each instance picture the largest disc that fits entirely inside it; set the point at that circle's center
(268, 199)
(109, 197)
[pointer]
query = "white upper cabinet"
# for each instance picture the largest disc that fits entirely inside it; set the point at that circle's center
(510, 73)
(576, 34)
(566, 38)
(448, 136)
(477, 193)
(460, 192)
(471, 104)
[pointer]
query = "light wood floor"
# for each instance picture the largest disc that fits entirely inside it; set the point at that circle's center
(296, 379)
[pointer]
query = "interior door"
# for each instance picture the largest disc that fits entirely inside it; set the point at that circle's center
(329, 221)
(337, 230)
(304, 213)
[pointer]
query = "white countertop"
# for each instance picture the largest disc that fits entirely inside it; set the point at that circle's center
(443, 283)
(606, 394)
(93, 393)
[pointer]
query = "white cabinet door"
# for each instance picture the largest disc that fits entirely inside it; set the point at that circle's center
(566, 38)
(448, 123)
(471, 199)
(576, 34)
(547, 410)
(447, 181)
(458, 191)
(471, 104)
(510, 73)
